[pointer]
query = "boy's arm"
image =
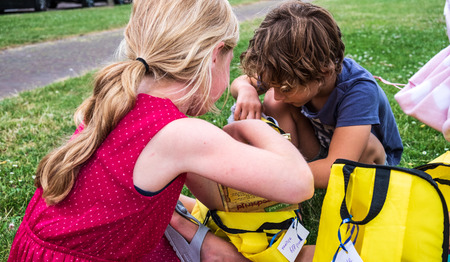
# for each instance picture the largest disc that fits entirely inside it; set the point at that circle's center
(248, 105)
(347, 142)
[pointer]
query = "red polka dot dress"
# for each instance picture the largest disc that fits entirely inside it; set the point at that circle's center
(104, 217)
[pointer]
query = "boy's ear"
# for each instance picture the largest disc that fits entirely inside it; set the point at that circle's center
(216, 52)
(331, 69)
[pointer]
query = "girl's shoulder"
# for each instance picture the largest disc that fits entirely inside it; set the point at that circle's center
(189, 128)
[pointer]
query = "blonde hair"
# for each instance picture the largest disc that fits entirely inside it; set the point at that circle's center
(176, 38)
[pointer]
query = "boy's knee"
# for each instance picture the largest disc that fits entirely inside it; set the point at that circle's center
(273, 107)
(374, 152)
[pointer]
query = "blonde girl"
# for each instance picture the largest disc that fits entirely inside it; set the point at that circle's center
(110, 192)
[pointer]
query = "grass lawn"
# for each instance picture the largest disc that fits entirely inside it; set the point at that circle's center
(27, 28)
(391, 38)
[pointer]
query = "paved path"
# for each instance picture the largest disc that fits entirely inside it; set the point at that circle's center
(38, 65)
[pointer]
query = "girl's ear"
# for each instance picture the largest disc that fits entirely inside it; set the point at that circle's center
(216, 52)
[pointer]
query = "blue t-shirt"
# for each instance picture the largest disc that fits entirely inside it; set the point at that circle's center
(358, 100)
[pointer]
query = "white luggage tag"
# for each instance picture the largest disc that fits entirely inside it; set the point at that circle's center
(293, 240)
(346, 251)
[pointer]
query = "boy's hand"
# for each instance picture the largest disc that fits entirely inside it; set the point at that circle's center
(248, 105)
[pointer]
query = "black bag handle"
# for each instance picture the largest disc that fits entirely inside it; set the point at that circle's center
(442, 181)
(380, 189)
(265, 226)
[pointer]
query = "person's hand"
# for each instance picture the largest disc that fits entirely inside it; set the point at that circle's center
(248, 105)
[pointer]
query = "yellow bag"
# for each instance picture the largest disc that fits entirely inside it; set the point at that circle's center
(439, 170)
(251, 232)
(400, 213)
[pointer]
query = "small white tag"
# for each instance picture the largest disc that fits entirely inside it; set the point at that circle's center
(351, 256)
(293, 240)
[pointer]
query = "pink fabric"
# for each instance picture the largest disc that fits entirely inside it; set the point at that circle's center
(104, 217)
(161, 253)
(427, 94)
(78, 130)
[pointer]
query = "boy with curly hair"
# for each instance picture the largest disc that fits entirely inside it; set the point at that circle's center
(332, 107)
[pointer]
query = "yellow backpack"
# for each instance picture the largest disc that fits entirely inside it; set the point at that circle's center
(399, 214)
(256, 235)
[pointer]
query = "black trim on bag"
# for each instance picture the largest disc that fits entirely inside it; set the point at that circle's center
(381, 183)
(283, 225)
(431, 166)
(421, 174)
(275, 127)
(442, 181)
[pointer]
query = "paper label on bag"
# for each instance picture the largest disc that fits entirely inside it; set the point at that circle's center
(350, 256)
(237, 201)
(293, 241)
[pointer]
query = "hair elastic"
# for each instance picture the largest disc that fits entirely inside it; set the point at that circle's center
(147, 68)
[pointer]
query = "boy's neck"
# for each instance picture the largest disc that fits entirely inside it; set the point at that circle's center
(319, 101)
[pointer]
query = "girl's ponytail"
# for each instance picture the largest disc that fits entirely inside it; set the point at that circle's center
(175, 41)
(113, 97)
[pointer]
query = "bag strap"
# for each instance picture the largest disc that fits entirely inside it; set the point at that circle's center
(397, 85)
(442, 181)
(380, 189)
(265, 226)
(431, 166)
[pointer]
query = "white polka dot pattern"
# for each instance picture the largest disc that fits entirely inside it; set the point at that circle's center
(104, 217)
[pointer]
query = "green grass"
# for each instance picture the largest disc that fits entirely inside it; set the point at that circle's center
(391, 38)
(26, 28)
(242, 2)
(45, 118)
(36, 27)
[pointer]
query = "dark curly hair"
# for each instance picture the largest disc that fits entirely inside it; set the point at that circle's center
(295, 44)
